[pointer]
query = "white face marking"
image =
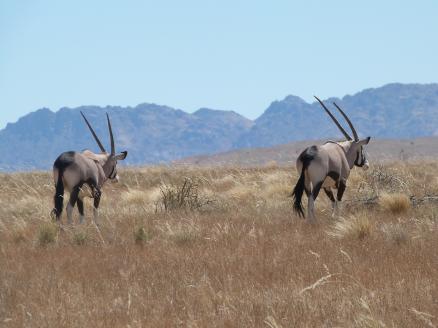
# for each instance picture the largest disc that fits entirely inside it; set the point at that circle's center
(366, 165)
(115, 180)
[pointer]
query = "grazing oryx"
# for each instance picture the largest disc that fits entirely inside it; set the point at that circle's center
(72, 170)
(328, 166)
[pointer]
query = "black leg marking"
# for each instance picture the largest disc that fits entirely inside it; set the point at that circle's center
(316, 190)
(97, 195)
(329, 194)
(74, 196)
(81, 206)
(334, 175)
(341, 190)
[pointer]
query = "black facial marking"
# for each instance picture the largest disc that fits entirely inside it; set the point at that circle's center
(360, 158)
(113, 173)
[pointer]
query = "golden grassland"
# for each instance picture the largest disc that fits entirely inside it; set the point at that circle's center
(229, 254)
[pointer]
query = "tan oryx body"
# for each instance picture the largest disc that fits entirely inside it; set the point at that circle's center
(83, 174)
(328, 167)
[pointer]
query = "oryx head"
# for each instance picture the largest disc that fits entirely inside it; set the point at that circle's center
(110, 163)
(356, 148)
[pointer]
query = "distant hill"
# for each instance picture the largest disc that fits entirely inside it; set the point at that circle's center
(160, 134)
(392, 111)
(150, 133)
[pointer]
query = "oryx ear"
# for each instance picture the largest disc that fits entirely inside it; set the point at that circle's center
(121, 156)
(364, 142)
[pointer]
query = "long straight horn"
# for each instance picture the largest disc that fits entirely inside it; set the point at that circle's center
(113, 148)
(94, 134)
(334, 120)
(356, 137)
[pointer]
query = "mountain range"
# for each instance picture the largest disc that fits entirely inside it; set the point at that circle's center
(159, 134)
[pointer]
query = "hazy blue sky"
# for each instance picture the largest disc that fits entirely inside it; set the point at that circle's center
(235, 55)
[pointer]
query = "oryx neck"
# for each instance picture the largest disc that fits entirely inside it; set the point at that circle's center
(346, 147)
(102, 160)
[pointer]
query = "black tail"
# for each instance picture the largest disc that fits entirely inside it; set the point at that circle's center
(297, 194)
(62, 162)
(58, 199)
(305, 157)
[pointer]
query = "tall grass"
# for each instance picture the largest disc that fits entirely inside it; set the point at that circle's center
(247, 261)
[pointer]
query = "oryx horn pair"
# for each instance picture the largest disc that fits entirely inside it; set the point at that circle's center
(346, 135)
(102, 148)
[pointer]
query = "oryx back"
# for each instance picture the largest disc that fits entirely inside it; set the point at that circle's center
(71, 170)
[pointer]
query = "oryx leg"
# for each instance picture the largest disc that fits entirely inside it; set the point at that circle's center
(341, 189)
(71, 203)
(311, 201)
(329, 193)
(81, 210)
(97, 195)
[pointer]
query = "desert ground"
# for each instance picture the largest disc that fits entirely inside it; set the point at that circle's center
(221, 247)
(380, 150)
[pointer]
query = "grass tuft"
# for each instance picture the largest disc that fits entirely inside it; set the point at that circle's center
(182, 196)
(47, 234)
(356, 227)
(184, 238)
(395, 203)
(19, 236)
(395, 233)
(141, 236)
(80, 238)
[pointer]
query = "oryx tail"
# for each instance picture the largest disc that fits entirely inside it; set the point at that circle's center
(59, 195)
(298, 191)
(61, 163)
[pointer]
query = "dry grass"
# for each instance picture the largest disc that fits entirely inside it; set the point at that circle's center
(357, 227)
(246, 262)
(47, 234)
(395, 203)
(396, 233)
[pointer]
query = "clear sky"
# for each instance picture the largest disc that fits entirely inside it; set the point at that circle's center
(224, 54)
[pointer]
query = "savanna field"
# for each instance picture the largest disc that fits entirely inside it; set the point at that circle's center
(221, 247)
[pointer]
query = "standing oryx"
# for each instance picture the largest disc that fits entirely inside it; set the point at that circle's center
(72, 170)
(328, 166)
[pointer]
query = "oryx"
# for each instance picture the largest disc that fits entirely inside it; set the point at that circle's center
(83, 175)
(328, 166)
